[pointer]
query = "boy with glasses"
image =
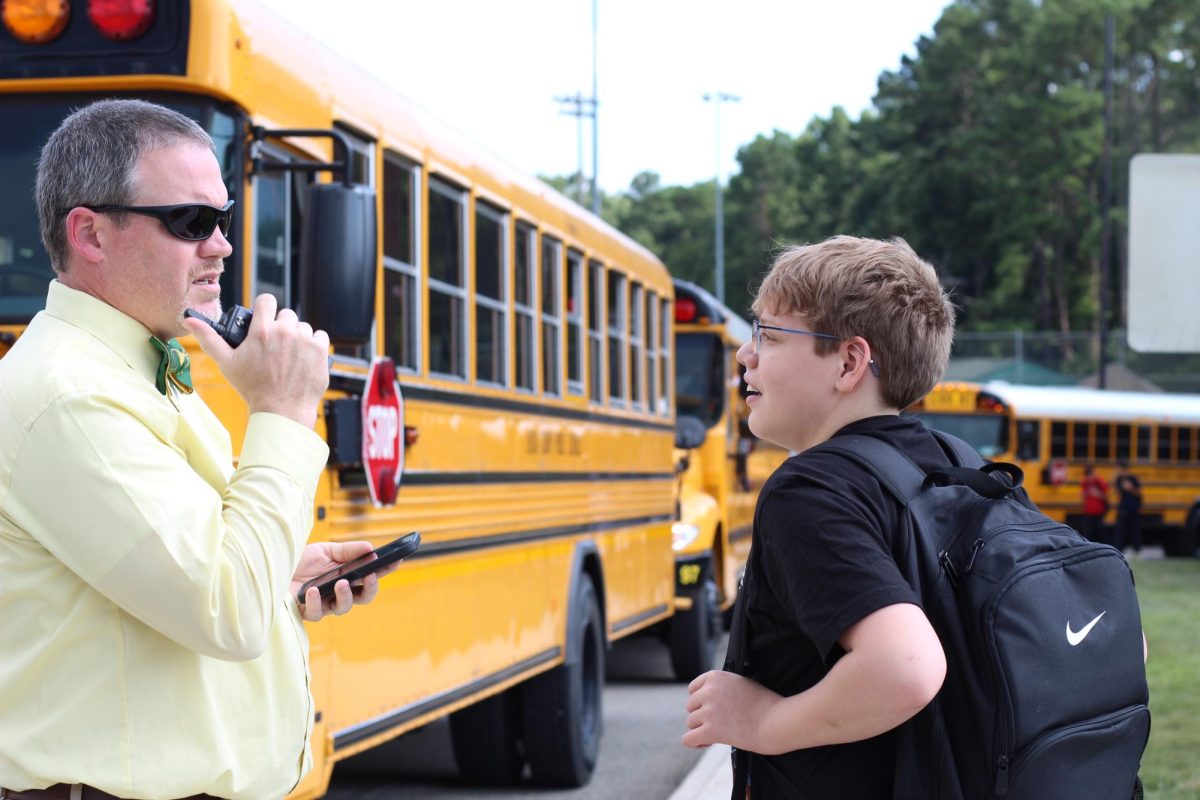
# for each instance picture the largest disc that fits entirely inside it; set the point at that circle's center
(153, 646)
(831, 650)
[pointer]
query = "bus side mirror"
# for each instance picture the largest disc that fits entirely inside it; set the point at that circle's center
(337, 261)
(689, 432)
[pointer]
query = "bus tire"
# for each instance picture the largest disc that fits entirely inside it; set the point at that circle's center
(485, 739)
(1189, 536)
(692, 633)
(561, 708)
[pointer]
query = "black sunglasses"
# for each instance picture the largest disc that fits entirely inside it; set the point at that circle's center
(194, 222)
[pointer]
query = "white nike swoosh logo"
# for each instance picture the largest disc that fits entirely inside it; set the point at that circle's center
(1074, 638)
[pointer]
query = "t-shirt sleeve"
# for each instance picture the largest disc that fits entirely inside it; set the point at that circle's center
(828, 559)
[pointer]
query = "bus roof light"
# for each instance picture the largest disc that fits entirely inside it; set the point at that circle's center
(121, 20)
(36, 21)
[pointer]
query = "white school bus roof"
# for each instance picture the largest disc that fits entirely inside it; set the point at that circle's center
(1083, 403)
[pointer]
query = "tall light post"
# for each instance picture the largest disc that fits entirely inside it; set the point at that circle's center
(595, 121)
(716, 98)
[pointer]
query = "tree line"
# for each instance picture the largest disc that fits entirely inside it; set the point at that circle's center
(983, 150)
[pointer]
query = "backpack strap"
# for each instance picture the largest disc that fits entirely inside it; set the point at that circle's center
(893, 469)
(959, 452)
(901, 476)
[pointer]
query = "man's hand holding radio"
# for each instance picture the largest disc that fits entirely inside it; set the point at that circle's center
(282, 367)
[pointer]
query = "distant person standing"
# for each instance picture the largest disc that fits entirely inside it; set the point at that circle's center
(1129, 510)
(1095, 503)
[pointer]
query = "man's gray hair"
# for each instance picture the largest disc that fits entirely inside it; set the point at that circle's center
(92, 158)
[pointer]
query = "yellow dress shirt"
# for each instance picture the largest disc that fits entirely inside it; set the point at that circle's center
(149, 645)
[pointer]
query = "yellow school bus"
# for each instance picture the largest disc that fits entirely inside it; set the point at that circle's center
(1052, 433)
(532, 345)
(722, 465)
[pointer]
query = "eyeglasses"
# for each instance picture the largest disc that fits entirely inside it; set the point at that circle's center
(756, 329)
(193, 222)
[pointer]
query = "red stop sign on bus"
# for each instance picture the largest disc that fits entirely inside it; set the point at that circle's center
(383, 432)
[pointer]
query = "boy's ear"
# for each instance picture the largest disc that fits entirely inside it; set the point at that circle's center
(855, 353)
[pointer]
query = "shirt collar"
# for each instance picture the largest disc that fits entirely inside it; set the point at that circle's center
(124, 335)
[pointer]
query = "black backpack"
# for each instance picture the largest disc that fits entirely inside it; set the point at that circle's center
(1045, 692)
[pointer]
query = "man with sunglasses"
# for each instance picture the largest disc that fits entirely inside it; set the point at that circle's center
(830, 650)
(153, 646)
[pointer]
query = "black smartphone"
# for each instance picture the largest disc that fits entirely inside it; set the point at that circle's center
(233, 325)
(362, 566)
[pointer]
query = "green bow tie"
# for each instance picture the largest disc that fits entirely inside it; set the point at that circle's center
(175, 367)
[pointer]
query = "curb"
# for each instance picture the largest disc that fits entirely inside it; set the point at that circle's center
(710, 779)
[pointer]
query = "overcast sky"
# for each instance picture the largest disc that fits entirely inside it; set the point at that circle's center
(492, 70)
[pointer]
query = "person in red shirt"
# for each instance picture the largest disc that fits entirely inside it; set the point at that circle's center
(1095, 504)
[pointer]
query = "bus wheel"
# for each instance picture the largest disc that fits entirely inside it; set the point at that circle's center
(692, 634)
(562, 708)
(485, 741)
(1189, 537)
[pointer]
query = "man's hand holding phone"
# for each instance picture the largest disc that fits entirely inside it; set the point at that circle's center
(334, 576)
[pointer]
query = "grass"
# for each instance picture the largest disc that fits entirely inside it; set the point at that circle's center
(1169, 594)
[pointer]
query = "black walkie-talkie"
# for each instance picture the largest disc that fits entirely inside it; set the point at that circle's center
(233, 325)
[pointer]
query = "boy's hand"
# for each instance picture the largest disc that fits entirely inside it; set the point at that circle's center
(728, 709)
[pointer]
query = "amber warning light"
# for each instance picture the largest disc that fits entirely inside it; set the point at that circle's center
(35, 21)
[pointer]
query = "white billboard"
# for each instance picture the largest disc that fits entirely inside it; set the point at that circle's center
(1164, 253)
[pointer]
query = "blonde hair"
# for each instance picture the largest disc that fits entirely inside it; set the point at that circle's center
(879, 290)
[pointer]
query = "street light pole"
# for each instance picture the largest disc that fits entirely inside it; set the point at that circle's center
(716, 98)
(595, 123)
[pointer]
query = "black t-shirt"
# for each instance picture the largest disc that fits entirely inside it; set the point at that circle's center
(821, 560)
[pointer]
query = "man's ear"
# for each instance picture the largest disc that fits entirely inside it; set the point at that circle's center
(86, 234)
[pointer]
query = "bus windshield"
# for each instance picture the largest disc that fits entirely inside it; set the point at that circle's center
(29, 121)
(986, 433)
(699, 386)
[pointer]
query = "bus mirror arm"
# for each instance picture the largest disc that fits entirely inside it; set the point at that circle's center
(341, 146)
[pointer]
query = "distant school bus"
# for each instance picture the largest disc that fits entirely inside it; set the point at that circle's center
(1052, 433)
(531, 341)
(722, 466)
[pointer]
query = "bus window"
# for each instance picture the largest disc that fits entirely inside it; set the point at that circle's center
(1058, 440)
(272, 234)
(616, 337)
(1079, 441)
(525, 281)
(636, 345)
(1103, 441)
(1164, 444)
(652, 337)
(551, 316)
(699, 377)
(987, 433)
(664, 359)
(1185, 445)
(447, 280)
(28, 122)
(595, 324)
(1124, 436)
(1143, 442)
(1029, 437)
(491, 294)
(574, 322)
(401, 311)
